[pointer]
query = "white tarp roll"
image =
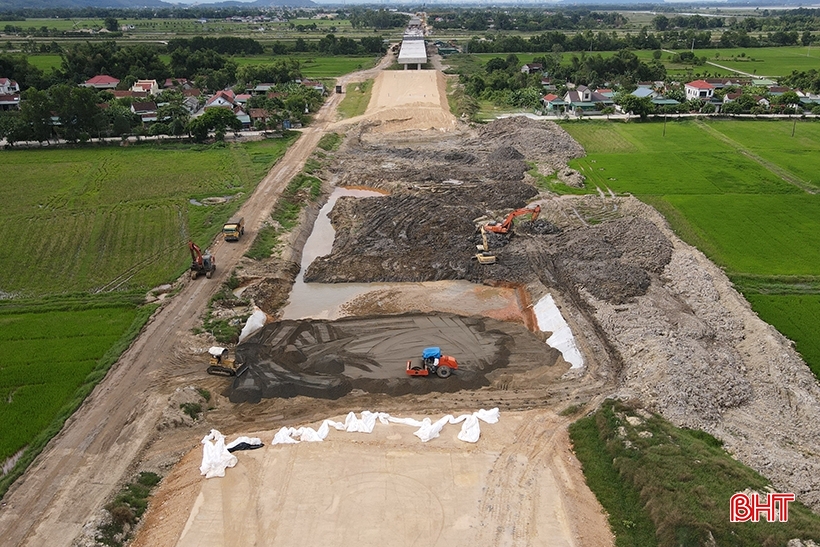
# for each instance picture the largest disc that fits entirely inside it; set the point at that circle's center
(217, 351)
(255, 322)
(215, 456)
(427, 429)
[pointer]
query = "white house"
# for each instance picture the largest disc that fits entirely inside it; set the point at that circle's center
(149, 86)
(8, 86)
(699, 89)
(224, 98)
(532, 68)
(9, 94)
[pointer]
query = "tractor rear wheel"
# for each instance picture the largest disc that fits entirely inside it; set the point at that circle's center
(443, 371)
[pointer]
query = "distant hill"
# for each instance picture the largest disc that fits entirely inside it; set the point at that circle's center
(9, 5)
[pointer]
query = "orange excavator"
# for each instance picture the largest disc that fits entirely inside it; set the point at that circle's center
(505, 226)
(201, 263)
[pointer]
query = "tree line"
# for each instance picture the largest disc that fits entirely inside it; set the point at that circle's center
(528, 20)
(502, 82)
(643, 39)
(205, 61)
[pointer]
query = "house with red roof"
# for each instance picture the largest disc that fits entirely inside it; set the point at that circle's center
(732, 96)
(101, 81)
(175, 82)
(9, 94)
(8, 86)
(553, 102)
(318, 86)
(224, 98)
(699, 89)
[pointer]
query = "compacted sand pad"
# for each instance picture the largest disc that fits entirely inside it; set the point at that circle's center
(519, 485)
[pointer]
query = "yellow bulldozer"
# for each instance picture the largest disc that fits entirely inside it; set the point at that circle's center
(222, 364)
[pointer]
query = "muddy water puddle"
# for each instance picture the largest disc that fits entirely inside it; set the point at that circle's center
(335, 300)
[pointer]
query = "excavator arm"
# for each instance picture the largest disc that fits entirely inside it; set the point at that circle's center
(196, 253)
(505, 226)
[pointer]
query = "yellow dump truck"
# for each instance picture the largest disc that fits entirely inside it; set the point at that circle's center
(233, 229)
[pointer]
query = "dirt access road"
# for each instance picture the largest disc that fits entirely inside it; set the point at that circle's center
(79, 470)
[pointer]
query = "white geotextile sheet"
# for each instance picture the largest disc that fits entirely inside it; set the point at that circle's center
(427, 429)
(549, 319)
(255, 322)
(215, 455)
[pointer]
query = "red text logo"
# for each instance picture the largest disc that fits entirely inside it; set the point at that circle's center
(774, 507)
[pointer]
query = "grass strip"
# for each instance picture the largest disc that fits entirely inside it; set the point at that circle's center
(683, 479)
(127, 508)
(302, 189)
(629, 521)
(357, 97)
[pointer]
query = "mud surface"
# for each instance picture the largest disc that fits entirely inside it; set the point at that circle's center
(327, 359)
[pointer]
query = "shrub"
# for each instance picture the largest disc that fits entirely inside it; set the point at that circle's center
(191, 409)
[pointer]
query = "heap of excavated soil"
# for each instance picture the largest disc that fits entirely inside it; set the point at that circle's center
(693, 350)
(493, 153)
(327, 359)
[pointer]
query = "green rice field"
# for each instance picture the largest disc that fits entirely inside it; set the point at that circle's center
(796, 317)
(113, 219)
(745, 193)
(46, 356)
(316, 66)
(764, 61)
(46, 63)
